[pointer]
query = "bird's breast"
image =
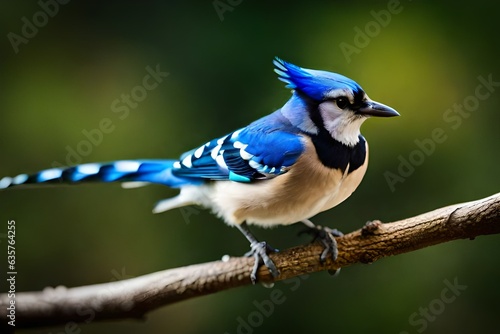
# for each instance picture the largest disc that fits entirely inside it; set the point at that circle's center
(306, 189)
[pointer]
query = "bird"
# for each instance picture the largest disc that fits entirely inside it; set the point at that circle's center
(304, 158)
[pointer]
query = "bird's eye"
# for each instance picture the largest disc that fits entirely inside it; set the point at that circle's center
(342, 102)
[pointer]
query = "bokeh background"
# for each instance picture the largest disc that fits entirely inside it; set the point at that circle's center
(422, 60)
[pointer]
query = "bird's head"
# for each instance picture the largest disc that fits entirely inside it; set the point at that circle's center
(327, 101)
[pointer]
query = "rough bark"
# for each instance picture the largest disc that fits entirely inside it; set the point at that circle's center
(133, 298)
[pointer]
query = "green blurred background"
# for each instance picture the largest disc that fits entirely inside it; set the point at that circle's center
(425, 59)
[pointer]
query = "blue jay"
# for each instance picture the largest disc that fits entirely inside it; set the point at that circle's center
(286, 167)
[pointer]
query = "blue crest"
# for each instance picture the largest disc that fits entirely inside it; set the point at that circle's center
(313, 83)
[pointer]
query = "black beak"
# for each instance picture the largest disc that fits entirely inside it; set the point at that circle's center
(372, 108)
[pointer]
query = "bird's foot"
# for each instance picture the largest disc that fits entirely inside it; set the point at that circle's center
(260, 250)
(326, 236)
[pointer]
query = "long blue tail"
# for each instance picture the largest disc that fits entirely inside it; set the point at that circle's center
(151, 171)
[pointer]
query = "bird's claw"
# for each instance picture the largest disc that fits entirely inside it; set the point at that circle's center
(326, 236)
(259, 250)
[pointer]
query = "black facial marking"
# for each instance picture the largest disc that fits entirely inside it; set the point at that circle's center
(331, 152)
(358, 99)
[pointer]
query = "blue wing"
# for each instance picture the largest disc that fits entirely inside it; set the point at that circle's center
(245, 155)
(265, 149)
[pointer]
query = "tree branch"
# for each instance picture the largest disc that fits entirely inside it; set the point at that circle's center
(133, 298)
